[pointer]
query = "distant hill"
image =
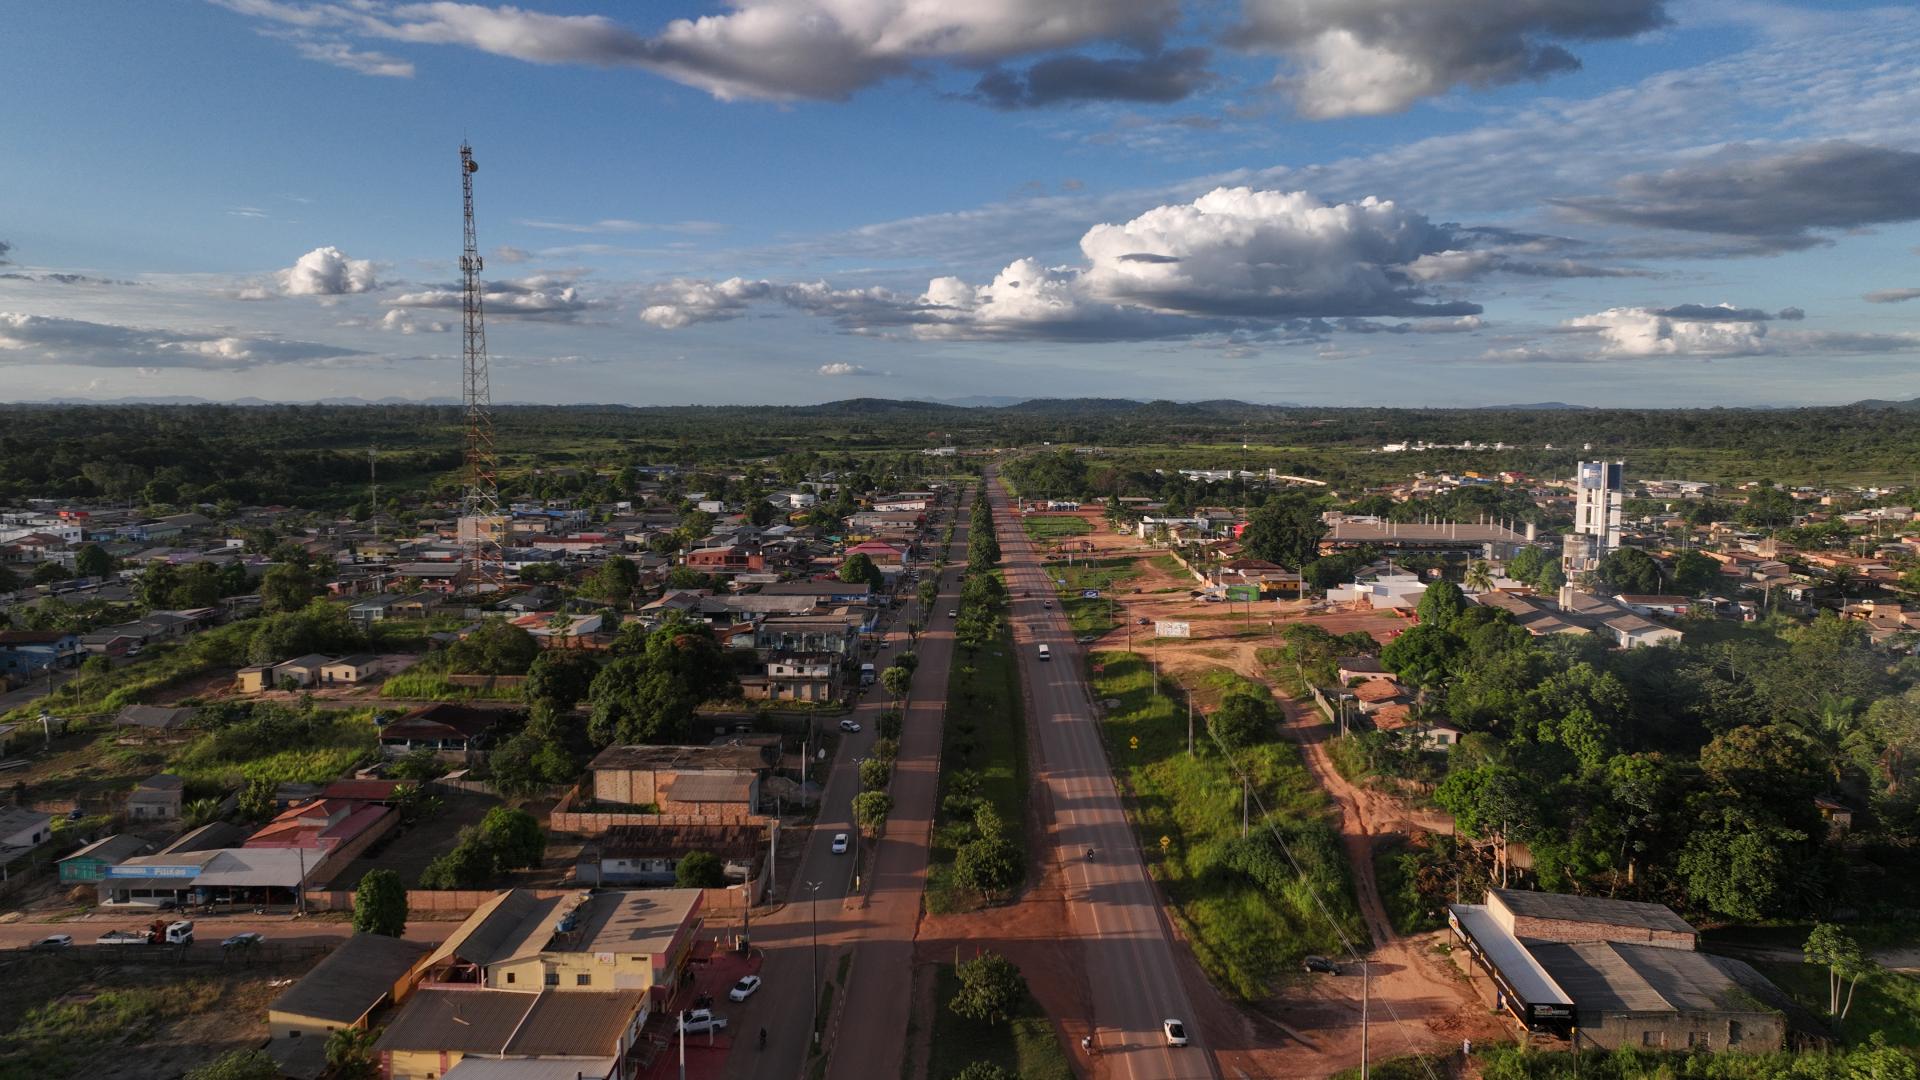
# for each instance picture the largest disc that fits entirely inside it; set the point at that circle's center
(1537, 406)
(1881, 403)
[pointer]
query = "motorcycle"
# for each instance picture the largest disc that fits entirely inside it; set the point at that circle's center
(1089, 854)
(763, 1038)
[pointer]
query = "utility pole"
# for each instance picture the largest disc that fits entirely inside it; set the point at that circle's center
(1246, 794)
(1365, 980)
(1189, 725)
(373, 492)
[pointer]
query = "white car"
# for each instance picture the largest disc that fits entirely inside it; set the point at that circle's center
(850, 725)
(695, 1021)
(839, 843)
(241, 941)
(57, 941)
(1176, 1032)
(744, 989)
(953, 613)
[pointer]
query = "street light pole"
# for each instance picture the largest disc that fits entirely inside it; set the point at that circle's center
(813, 1029)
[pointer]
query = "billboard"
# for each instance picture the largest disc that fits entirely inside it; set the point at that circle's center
(1171, 629)
(1243, 593)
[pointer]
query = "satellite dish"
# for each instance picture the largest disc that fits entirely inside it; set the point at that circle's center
(472, 165)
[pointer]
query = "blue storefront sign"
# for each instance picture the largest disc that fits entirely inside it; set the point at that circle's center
(153, 871)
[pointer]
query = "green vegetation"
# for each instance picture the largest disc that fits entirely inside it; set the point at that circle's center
(1025, 1046)
(416, 685)
(100, 689)
(380, 904)
(1042, 529)
(1095, 615)
(1417, 878)
(984, 758)
(1868, 1062)
(1887, 1004)
(1248, 915)
(274, 744)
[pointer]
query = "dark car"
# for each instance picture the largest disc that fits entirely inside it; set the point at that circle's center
(1320, 964)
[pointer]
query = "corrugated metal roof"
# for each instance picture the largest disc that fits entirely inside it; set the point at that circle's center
(352, 979)
(1593, 909)
(465, 1021)
(577, 1022)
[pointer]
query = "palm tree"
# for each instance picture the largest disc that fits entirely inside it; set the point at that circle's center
(1479, 577)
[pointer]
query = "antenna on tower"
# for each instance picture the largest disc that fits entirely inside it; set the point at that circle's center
(480, 503)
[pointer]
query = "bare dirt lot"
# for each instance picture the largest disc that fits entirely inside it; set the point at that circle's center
(137, 1021)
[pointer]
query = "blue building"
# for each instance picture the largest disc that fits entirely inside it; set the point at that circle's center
(28, 652)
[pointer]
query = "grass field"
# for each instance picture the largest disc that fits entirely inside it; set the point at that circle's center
(160, 666)
(1042, 529)
(985, 732)
(1243, 933)
(1093, 616)
(345, 740)
(1025, 1047)
(1889, 1005)
(433, 686)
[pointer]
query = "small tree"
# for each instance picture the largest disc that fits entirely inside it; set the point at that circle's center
(350, 1054)
(897, 681)
(870, 810)
(1479, 576)
(1846, 963)
(380, 904)
(93, 561)
(257, 799)
(874, 774)
(984, 1070)
(889, 724)
(989, 865)
(515, 837)
(991, 989)
(468, 865)
(1242, 720)
(700, 870)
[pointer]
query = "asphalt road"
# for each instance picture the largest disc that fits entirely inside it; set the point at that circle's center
(1128, 945)
(876, 923)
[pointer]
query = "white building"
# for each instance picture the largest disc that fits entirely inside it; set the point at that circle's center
(1597, 498)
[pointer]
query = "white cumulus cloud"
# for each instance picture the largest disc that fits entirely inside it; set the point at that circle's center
(46, 339)
(327, 271)
(1634, 331)
(841, 368)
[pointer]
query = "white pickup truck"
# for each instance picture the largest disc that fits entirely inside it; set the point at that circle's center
(697, 1021)
(121, 937)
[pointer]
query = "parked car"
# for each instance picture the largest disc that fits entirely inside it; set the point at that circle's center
(1046, 603)
(744, 989)
(1321, 964)
(1143, 621)
(57, 941)
(695, 1021)
(243, 941)
(839, 843)
(1176, 1032)
(850, 725)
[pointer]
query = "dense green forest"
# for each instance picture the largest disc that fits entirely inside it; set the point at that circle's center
(1686, 774)
(315, 453)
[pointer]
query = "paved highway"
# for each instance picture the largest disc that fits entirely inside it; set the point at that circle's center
(1128, 945)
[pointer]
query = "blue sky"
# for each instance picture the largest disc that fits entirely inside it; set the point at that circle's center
(1607, 202)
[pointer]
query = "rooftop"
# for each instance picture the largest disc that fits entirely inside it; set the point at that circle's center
(1590, 909)
(577, 1023)
(641, 921)
(1617, 977)
(352, 979)
(726, 758)
(463, 1021)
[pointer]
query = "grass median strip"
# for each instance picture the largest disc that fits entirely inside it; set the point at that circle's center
(1025, 1046)
(983, 754)
(1248, 916)
(1041, 529)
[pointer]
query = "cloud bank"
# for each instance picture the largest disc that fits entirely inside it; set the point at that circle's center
(45, 339)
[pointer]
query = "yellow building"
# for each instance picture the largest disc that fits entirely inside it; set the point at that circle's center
(610, 940)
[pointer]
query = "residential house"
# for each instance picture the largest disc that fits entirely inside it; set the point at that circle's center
(827, 591)
(1672, 607)
(351, 670)
(342, 991)
(886, 556)
(157, 798)
(718, 780)
(24, 653)
(837, 635)
(452, 731)
(301, 670)
(22, 830)
(651, 854)
(796, 677)
(738, 557)
(1365, 668)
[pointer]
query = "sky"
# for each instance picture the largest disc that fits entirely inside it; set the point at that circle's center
(1647, 203)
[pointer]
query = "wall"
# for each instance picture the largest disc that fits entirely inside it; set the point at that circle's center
(419, 901)
(593, 824)
(1759, 1032)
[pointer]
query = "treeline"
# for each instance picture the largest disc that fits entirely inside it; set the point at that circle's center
(1686, 774)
